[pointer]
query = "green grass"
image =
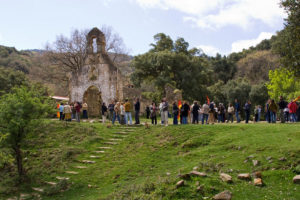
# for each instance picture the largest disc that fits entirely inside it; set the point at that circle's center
(137, 167)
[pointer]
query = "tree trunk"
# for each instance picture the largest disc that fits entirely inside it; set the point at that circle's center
(19, 161)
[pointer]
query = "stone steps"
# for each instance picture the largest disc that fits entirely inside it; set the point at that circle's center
(71, 172)
(38, 189)
(88, 161)
(104, 148)
(114, 139)
(92, 156)
(111, 143)
(80, 167)
(50, 183)
(99, 151)
(62, 178)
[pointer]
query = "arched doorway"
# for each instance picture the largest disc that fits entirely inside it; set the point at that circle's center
(92, 97)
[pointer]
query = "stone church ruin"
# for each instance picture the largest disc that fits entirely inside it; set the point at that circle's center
(99, 80)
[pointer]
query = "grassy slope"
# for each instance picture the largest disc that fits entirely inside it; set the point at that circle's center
(136, 168)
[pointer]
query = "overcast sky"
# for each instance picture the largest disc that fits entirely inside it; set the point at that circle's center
(222, 26)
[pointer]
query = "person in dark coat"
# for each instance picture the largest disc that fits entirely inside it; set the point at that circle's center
(282, 105)
(148, 112)
(195, 112)
(247, 109)
(185, 112)
(137, 107)
(237, 109)
(175, 113)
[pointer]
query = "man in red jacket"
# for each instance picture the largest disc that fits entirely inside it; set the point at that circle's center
(293, 110)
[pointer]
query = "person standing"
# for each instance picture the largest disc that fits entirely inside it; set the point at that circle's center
(85, 111)
(73, 111)
(247, 109)
(287, 114)
(127, 112)
(273, 110)
(77, 108)
(175, 113)
(111, 108)
(137, 107)
(161, 112)
(191, 112)
(104, 113)
(147, 112)
(165, 110)
(67, 112)
(211, 117)
(256, 114)
(122, 113)
(237, 109)
(259, 113)
(195, 112)
(282, 105)
(153, 111)
(116, 114)
(185, 113)
(230, 111)
(267, 111)
(61, 112)
(293, 110)
(205, 109)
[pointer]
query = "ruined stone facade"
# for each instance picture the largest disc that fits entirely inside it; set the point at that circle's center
(98, 80)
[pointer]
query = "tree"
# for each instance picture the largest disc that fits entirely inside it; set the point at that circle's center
(255, 66)
(287, 44)
(259, 94)
(163, 42)
(237, 89)
(9, 79)
(283, 83)
(19, 112)
(224, 69)
(172, 63)
(70, 53)
(114, 44)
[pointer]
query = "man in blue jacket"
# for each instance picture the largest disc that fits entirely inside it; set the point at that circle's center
(237, 110)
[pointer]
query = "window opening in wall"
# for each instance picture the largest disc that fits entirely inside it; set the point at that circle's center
(95, 45)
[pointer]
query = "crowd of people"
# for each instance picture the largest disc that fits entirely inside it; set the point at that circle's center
(68, 112)
(184, 113)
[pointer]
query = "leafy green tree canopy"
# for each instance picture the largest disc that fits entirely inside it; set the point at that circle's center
(173, 63)
(283, 83)
(20, 111)
(288, 43)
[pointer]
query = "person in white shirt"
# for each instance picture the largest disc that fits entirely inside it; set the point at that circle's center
(230, 111)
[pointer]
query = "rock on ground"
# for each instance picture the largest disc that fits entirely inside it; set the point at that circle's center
(296, 179)
(226, 178)
(257, 174)
(245, 176)
(196, 173)
(258, 182)
(225, 195)
(255, 162)
(180, 183)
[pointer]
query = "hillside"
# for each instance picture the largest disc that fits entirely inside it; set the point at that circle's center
(140, 163)
(38, 69)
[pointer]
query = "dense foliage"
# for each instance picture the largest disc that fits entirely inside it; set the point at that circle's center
(239, 76)
(288, 42)
(283, 83)
(9, 79)
(172, 63)
(21, 111)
